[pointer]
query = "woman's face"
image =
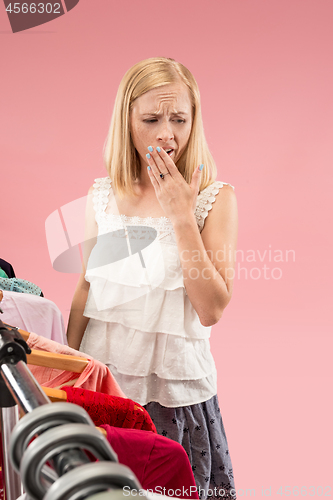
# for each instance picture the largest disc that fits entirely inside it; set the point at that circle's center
(162, 117)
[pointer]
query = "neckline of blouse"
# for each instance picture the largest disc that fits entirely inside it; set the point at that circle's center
(136, 218)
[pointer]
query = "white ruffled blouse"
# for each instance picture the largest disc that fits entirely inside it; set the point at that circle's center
(142, 323)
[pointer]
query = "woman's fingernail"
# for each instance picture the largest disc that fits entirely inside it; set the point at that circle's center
(149, 167)
(150, 149)
(158, 149)
(201, 167)
(148, 155)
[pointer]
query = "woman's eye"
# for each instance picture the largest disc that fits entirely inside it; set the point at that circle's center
(179, 120)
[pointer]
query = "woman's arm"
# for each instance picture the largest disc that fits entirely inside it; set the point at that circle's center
(77, 322)
(208, 259)
(208, 278)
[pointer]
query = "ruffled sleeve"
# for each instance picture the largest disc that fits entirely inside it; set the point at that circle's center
(205, 199)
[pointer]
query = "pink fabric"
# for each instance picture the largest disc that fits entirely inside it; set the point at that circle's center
(95, 377)
(157, 461)
(33, 314)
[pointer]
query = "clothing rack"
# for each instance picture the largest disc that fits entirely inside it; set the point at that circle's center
(74, 364)
(63, 431)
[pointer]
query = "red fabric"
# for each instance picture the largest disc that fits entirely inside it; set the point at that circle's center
(159, 463)
(112, 410)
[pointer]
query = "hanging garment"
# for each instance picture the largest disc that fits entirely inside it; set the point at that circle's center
(8, 268)
(2, 273)
(19, 285)
(96, 376)
(33, 314)
(112, 410)
(159, 463)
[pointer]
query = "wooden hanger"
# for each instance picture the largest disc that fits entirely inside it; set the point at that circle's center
(55, 395)
(74, 364)
(65, 362)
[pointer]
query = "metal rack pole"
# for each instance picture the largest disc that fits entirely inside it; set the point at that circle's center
(12, 482)
(23, 386)
(19, 386)
(59, 442)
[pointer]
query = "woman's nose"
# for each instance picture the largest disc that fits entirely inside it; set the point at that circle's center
(165, 132)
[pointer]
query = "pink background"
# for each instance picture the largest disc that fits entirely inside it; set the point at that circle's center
(264, 68)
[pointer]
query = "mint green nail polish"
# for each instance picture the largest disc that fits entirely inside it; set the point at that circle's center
(158, 149)
(150, 149)
(201, 167)
(148, 155)
(149, 167)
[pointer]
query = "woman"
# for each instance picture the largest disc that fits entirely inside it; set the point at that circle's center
(159, 276)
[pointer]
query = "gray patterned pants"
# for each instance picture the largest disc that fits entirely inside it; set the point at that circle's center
(200, 430)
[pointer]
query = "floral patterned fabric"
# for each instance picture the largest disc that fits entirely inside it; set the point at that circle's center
(200, 430)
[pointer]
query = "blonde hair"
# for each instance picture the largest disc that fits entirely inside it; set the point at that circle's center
(121, 159)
